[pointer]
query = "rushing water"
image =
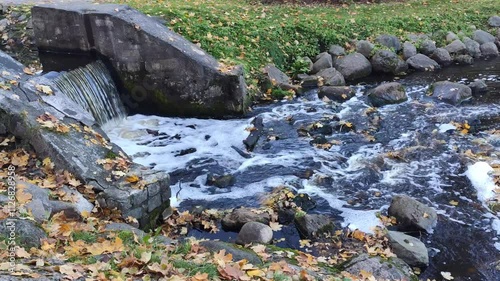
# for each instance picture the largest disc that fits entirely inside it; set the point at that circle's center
(411, 148)
(93, 88)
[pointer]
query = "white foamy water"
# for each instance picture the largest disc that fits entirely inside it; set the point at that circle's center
(480, 176)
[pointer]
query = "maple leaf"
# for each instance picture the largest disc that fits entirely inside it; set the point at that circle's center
(132, 179)
(70, 271)
(21, 253)
(221, 258)
(230, 272)
(447, 275)
(146, 257)
(275, 226)
(23, 197)
(44, 89)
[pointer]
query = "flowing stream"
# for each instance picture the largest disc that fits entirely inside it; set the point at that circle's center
(414, 148)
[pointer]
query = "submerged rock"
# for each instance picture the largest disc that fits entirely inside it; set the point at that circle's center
(409, 249)
(311, 226)
(251, 141)
(254, 232)
(449, 92)
(353, 66)
(223, 181)
(380, 268)
(411, 214)
(387, 93)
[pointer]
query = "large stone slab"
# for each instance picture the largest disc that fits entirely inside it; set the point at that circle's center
(158, 71)
(84, 149)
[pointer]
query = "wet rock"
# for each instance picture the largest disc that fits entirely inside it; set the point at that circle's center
(304, 201)
(238, 254)
(336, 51)
(318, 140)
(464, 60)
(286, 215)
(387, 93)
(449, 92)
(185, 152)
(456, 47)
(409, 50)
(411, 214)
(489, 49)
(478, 87)
(427, 47)
(312, 226)
(390, 41)
(223, 181)
(255, 134)
(305, 174)
(365, 48)
(321, 129)
(494, 21)
(381, 269)
(411, 250)
(472, 47)
(442, 56)
(324, 61)
(482, 37)
(353, 66)
(254, 232)
(276, 78)
(235, 220)
(308, 81)
(386, 61)
(26, 233)
(422, 63)
(331, 77)
(335, 93)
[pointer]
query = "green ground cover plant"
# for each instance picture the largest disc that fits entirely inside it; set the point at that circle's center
(254, 34)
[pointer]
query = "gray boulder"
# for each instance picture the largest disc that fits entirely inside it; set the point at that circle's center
(478, 87)
(414, 38)
(411, 214)
(442, 56)
(118, 227)
(449, 92)
(238, 253)
(408, 248)
(338, 94)
(324, 61)
(422, 63)
(456, 47)
(390, 41)
(494, 21)
(387, 93)
(409, 50)
(235, 220)
(489, 50)
(162, 73)
(254, 232)
(365, 48)
(311, 226)
(450, 37)
(331, 77)
(381, 269)
(427, 47)
(26, 233)
(353, 66)
(482, 37)
(308, 81)
(276, 78)
(472, 47)
(464, 60)
(336, 51)
(386, 61)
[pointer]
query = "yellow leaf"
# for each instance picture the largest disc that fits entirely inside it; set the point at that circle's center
(132, 179)
(23, 197)
(255, 272)
(21, 253)
(145, 257)
(453, 203)
(44, 89)
(275, 226)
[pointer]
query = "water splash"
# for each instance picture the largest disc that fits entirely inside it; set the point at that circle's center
(93, 88)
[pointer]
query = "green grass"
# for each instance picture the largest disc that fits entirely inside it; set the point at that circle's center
(87, 237)
(252, 34)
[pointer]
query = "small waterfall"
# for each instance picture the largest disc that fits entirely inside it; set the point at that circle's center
(93, 88)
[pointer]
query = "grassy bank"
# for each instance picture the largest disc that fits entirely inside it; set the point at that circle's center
(253, 34)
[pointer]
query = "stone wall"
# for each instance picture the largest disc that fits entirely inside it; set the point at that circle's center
(158, 71)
